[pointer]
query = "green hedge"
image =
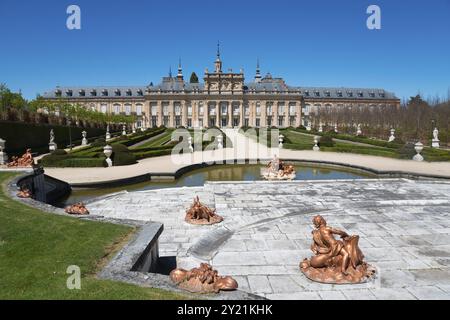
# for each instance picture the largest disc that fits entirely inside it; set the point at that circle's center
(20, 135)
(122, 156)
(70, 162)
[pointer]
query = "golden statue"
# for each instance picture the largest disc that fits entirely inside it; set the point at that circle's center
(202, 280)
(335, 261)
(24, 161)
(198, 213)
(77, 209)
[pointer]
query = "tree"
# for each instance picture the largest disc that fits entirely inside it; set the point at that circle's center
(194, 78)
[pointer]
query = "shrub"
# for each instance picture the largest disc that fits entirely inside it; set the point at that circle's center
(122, 156)
(326, 141)
(100, 142)
(59, 152)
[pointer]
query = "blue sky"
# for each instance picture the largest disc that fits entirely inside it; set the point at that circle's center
(309, 43)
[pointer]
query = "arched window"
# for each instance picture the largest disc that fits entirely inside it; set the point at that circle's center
(104, 108)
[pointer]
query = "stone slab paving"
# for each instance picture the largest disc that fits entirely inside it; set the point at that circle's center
(404, 227)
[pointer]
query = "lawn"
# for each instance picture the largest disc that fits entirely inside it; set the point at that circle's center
(36, 248)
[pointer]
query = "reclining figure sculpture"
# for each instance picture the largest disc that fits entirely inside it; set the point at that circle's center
(278, 170)
(77, 209)
(335, 261)
(198, 213)
(24, 161)
(202, 280)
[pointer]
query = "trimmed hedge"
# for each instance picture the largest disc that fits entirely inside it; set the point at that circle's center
(68, 161)
(20, 135)
(122, 156)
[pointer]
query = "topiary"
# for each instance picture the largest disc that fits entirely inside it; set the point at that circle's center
(326, 141)
(122, 156)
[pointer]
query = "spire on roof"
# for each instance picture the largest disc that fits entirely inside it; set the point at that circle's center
(180, 71)
(258, 72)
(218, 62)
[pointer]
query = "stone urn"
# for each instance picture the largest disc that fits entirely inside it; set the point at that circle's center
(419, 148)
(84, 141)
(124, 130)
(316, 141)
(321, 128)
(358, 130)
(108, 151)
(220, 141)
(392, 137)
(280, 141)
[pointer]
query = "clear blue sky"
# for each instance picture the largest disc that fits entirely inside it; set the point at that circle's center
(309, 43)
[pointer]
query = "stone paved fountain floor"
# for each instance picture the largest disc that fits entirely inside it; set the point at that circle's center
(404, 227)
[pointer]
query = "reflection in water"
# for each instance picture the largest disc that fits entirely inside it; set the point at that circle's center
(218, 173)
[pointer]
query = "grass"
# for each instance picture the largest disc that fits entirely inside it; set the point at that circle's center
(36, 248)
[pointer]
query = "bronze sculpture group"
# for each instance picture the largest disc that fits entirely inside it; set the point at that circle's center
(25, 161)
(202, 280)
(200, 214)
(335, 261)
(77, 209)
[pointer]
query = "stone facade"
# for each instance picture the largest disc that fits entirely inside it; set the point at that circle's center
(224, 99)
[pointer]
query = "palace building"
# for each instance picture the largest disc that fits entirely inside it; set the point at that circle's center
(224, 99)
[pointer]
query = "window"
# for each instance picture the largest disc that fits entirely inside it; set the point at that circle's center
(58, 93)
(117, 93)
(258, 108)
(69, 93)
(177, 121)
(292, 110)
(82, 93)
(247, 110)
(360, 94)
(177, 109)
(292, 121)
(328, 93)
(269, 110)
(317, 93)
(93, 93)
(105, 93)
(166, 109)
(258, 122)
(224, 109)
(189, 110)
(128, 109)
(140, 93)
(154, 121)
(306, 93)
(372, 94)
(129, 93)
(350, 94)
(104, 108)
(166, 121)
(139, 109)
(339, 94)
(281, 109)
(200, 109)
(117, 108)
(246, 122)
(269, 121)
(189, 123)
(154, 109)
(280, 121)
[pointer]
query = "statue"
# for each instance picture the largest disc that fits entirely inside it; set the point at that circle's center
(52, 146)
(435, 141)
(200, 214)
(26, 161)
(335, 261)
(84, 141)
(277, 170)
(202, 280)
(24, 193)
(77, 209)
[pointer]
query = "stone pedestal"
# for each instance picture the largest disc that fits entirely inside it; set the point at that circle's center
(3, 158)
(52, 146)
(435, 143)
